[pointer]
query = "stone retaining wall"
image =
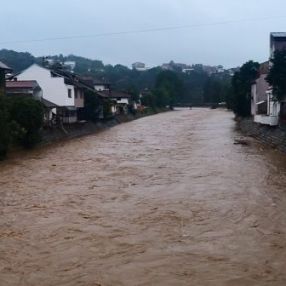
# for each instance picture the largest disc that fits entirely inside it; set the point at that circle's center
(272, 136)
(87, 128)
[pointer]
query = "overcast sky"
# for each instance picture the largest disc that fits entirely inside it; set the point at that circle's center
(228, 44)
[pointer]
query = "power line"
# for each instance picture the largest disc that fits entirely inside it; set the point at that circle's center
(151, 30)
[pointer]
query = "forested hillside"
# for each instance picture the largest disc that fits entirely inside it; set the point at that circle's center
(197, 85)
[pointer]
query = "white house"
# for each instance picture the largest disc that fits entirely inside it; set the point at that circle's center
(139, 66)
(60, 88)
(98, 85)
(70, 65)
(101, 86)
(264, 108)
(121, 101)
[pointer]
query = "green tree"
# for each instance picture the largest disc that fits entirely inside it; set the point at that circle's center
(213, 91)
(92, 106)
(28, 114)
(16, 60)
(241, 87)
(149, 100)
(168, 89)
(133, 91)
(5, 136)
(277, 75)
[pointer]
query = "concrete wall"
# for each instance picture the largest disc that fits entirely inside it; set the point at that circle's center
(277, 45)
(253, 100)
(79, 98)
(272, 136)
(258, 93)
(261, 87)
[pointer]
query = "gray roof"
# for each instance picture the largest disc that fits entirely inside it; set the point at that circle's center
(4, 67)
(278, 34)
(48, 103)
(113, 94)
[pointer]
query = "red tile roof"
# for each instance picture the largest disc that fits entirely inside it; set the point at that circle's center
(22, 84)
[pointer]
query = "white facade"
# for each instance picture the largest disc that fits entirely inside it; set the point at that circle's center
(100, 87)
(273, 109)
(122, 101)
(253, 100)
(188, 70)
(54, 88)
(70, 65)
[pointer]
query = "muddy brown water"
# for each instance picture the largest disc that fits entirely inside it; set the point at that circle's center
(164, 200)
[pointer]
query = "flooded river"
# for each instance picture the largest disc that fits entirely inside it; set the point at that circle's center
(164, 200)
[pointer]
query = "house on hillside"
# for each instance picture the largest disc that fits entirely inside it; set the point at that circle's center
(27, 88)
(62, 89)
(99, 85)
(138, 66)
(3, 70)
(31, 89)
(121, 101)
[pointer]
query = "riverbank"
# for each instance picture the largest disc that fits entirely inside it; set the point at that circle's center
(86, 128)
(271, 136)
(57, 135)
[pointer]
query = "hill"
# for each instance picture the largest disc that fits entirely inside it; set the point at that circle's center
(197, 84)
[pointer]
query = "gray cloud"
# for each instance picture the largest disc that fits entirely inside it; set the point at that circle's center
(229, 44)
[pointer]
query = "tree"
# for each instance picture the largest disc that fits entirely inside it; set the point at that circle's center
(17, 61)
(122, 77)
(213, 91)
(92, 106)
(5, 136)
(27, 114)
(168, 89)
(241, 87)
(277, 75)
(132, 90)
(149, 100)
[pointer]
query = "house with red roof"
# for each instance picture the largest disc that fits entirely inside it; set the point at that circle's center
(63, 89)
(26, 88)
(120, 100)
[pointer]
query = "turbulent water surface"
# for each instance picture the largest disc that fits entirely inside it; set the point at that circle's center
(164, 200)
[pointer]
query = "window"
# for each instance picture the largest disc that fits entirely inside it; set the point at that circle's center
(76, 94)
(69, 93)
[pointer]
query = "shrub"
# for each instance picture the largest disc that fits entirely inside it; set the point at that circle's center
(5, 136)
(27, 117)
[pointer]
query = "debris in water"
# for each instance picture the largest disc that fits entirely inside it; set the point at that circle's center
(241, 142)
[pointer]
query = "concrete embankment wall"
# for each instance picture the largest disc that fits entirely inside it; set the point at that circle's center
(87, 128)
(272, 136)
